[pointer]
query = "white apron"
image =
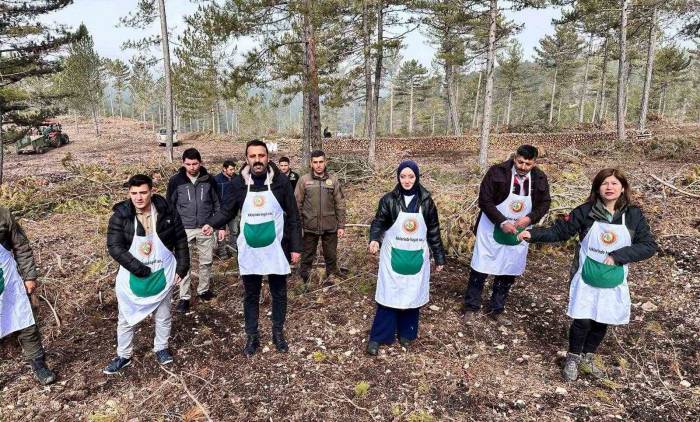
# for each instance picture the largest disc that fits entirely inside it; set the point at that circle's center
(139, 297)
(15, 309)
(260, 236)
(404, 263)
(496, 252)
(598, 291)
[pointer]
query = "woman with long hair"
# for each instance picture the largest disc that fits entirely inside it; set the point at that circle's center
(613, 233)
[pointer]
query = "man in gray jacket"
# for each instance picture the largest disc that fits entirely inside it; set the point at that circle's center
(192, 193)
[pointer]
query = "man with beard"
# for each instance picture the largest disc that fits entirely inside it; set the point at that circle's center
(270, 237)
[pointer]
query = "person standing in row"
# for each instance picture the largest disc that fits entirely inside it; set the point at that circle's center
(146, 237)
(18, 280)
(270, 237)
(286, 169)
(223, 182)
(192, 192)
(613, 233)
(408, 229)
(512, 196)
(321, 202)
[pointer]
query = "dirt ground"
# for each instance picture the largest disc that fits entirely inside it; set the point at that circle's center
(452, 372)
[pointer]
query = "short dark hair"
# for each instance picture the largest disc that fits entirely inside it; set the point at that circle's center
(229, 163)
(284, 160)
(528, 152)
(318, 153)
(255, 143)
(192, 154)
(139, 180)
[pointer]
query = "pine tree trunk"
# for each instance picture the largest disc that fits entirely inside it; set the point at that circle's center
(476, 101)
(622, 72)
(603, 82)
(559, 110)
(488, 94)
(313, 140)
(354, 119)
(168, 83)
(377, 83)
(410, 111)
(111, 106)
(367, 52)
(584, 88)
(96, 121)
(644, 109)
(554, 90)
(391, 108)
(508, 106)
(452, 100)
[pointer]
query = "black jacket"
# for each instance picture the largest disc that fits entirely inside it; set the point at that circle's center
(495, 188)
(281, 189)
(120, 234)
(388, 212)
(581, 219)
(194, 202)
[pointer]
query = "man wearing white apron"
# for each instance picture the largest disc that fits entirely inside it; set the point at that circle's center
(512, 196)
(613, 233)
(269, 238)
(18, 276)
(146, 237)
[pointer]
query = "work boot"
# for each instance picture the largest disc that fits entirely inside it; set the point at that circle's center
(589, 366)
(499, 318)
(372, 348)
(251, 345)
(570, 371)
(182, 306)
(42, 372)
(470, 317)
(207, 296)
(404, 342)
(279, 341)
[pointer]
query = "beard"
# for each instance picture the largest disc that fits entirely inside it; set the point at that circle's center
(258, 168)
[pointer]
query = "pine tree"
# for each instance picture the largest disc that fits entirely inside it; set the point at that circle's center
(412, 87)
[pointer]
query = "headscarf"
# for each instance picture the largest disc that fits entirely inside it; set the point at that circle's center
(414, 189)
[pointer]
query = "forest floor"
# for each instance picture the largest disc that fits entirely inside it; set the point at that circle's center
(452, 372)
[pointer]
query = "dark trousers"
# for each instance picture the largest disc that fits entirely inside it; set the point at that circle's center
(585, 335)
(251, 301)
(30, 340)
(499, 294)
(390, 323)
(329, 244)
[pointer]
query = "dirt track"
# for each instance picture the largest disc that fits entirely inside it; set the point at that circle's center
(453, 372)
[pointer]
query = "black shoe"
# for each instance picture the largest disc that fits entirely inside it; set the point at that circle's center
(404, 342)
(183, 306)
(116, 365)
(279, 341)
(251, 345)
(164, 357)
(372, 348)
(42, 373)
(207, 296)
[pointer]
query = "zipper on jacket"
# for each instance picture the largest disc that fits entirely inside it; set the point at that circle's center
(320, 204)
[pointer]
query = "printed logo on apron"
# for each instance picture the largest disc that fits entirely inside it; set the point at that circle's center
(595, 272)
(403, 261)
(262, 234)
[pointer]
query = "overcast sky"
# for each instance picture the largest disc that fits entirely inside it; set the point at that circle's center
(101, 17)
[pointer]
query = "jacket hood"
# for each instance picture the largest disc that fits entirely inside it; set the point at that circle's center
(126, 208)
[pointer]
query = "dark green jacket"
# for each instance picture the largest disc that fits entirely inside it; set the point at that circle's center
(13, 239)
(581, 219)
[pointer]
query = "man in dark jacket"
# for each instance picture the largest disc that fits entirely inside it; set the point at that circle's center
(16, 244)
(513, 195)
(147, 216)
(286, 169)
(223, 182)
(322, 205)
(192, 192)
(269, 239)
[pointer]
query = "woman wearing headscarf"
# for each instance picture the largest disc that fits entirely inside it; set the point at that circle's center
(613, 234)
(405, 231)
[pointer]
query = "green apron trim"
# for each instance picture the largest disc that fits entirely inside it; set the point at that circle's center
(601, 275)
(260, 235)
(148, 286)
(2, 281)
(406, 262)
(504, 238)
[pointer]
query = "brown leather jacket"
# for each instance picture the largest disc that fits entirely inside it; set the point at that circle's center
(321, 203)
(13, 239)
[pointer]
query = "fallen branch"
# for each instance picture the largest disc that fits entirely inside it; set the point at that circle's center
(53, 310)
(677, 189)
(187, 390)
